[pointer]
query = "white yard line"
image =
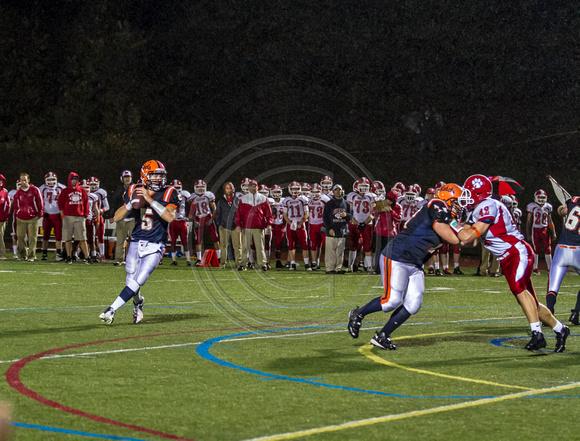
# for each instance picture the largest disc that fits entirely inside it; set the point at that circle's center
(254, 337)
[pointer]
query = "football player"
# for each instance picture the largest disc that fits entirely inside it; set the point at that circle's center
(265, 190)
(201, 213)
(540, 228)
(95, 185)
(278, 224)
(153, 204)
(326, 184)
(516, 213)
(401, 265)
(11, 194)
(399, 188)
(178, 228)
(51, 219)
(295, 215)
(567, 255)
(92, 221)
(360, 228)
(492, 220)
(315, 225)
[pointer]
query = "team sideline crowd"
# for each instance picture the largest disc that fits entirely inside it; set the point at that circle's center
(396, 232)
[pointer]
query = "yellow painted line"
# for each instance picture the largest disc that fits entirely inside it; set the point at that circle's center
(414, 413)
(366, 350)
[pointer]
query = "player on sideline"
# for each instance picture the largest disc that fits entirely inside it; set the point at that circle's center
(153, 205)
(567, 255)
(492, 220)
(402, 263)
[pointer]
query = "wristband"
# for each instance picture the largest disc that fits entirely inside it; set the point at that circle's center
(455, 226)
(128, 206)
(476, 232)
(157, 207)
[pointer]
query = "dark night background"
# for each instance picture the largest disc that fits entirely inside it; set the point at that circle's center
(98, 86)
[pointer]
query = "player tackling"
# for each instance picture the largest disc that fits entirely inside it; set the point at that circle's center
(492, 221)
(153, 204)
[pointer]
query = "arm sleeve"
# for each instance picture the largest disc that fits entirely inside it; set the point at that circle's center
(40, 202)
(327, 216)
(268, 214)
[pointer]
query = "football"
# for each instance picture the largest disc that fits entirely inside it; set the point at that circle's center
(138, 202)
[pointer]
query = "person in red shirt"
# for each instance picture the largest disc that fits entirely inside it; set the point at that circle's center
(4, 214)
(28, 209)
(73, 202)
(252, 217)
(388, 218)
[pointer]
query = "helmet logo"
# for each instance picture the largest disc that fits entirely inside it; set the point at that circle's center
(477, 183)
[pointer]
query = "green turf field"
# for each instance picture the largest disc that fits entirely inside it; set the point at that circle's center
(223, 355)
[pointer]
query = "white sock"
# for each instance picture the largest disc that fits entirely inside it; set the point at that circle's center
(198, 255)
(368, 261)
(558, 327)
(173, 256)
(188, 256)
(15, 249)
(117, 303)
(93, 253)
(219, 254)
(535, 262)
(306, 261)
(436, 263)
(548, 261)
(536, 326)
(351, 257)
(102, 249)
(292, 262)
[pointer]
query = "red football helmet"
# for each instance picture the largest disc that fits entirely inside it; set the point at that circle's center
(176, 183)
(50, 179)
(85, 185)
(430, 193)
(540, 197)
(200, 187)
(326, 183)
(153, 175)
(94, 183)
(316, 191)
(2, 181)
(276, 192)
(294, 188)
(413, 192)
(439, 185)
(263, 189)
(399, 188)
(305, 187)
(475, 189)
(379, 188)
(362, 185)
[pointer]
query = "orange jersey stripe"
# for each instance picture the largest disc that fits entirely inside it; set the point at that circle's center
(167, 194)
(387, 263)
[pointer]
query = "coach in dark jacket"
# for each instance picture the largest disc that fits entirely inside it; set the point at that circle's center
(225, 215)
(336, 218)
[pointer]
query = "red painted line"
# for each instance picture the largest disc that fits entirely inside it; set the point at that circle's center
(13, 379)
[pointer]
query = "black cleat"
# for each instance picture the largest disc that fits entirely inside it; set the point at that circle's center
(438, 272)
(292, 267)
(241, 268)
(307, 267)
(431, 271)
(174, 262)
(354, 322)
(457, 271)
(380, 340)
(574, 319)
(279, 264)
(561, 338)
(536, 342)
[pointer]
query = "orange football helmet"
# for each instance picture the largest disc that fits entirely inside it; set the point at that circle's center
(450, 194)
(153, 175)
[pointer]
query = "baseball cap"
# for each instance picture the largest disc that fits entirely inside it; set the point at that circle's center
(337, 186)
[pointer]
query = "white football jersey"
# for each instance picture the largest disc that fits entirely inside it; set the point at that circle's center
(102, 194)
(180, 213)
(50, 197)
(316, 210)
(295, 207)
(278, 212)
(540, 214)
(502, 233)
(361, 204)
(201, 204)
(409, 208)
(94, 203)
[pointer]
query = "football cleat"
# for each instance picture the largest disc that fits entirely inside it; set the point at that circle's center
(265, 268)
(354, 322)
(561, 338)
(174, 263)
(292, 267)
(457, 271)
(431, 271)
(447, 272)
(574, 319)
(380, 340)
(279, 264)
(241, 268)
(138, 311)
(536, 342)
(438, 272)
(107, 316)
(307, 267)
